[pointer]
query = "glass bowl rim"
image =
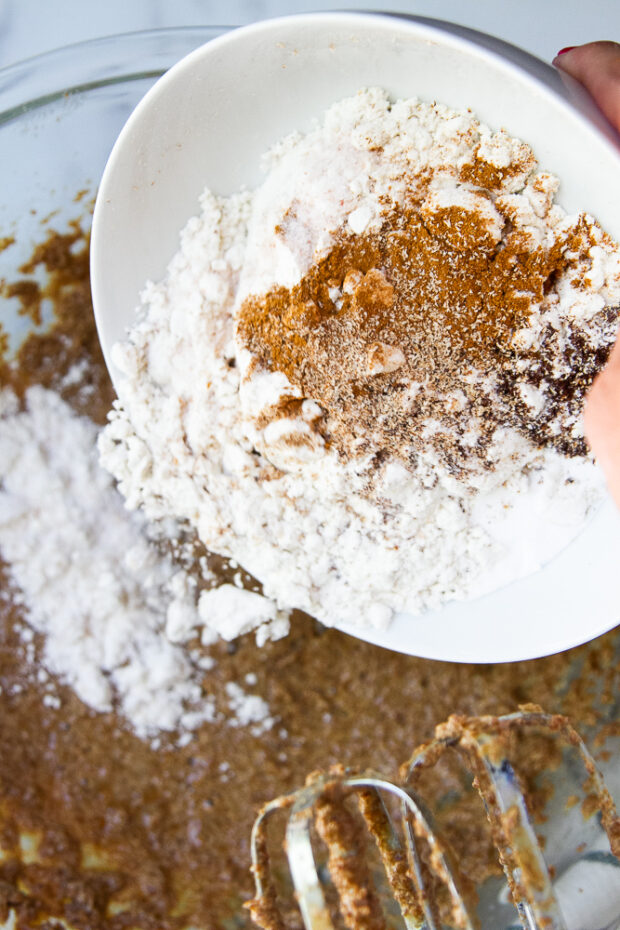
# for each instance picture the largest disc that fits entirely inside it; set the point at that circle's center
(79, 67)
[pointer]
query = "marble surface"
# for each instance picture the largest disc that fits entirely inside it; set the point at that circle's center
(29, 27)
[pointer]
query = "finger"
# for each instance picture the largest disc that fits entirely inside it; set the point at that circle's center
(596, 66)
(601, 419)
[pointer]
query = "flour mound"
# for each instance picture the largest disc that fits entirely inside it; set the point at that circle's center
(93, 581)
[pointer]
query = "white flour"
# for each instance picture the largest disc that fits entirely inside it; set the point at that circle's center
(343, 541)
(95, 585)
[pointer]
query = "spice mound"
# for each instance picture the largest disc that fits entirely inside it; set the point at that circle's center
(364, 380)
(426, 320)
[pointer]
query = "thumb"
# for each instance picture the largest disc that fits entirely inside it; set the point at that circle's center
(601, 418)
(596, 66)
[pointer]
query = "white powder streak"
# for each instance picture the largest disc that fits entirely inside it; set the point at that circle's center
(92, 581)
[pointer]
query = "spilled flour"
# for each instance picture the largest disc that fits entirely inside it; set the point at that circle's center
(328, 393)
(114, 610)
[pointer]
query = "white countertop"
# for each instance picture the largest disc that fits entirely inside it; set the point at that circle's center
(28, 27)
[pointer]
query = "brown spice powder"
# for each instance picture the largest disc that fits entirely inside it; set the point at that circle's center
(384, 331)
(64, 257)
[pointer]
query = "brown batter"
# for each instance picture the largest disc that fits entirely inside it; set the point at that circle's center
(117, 835)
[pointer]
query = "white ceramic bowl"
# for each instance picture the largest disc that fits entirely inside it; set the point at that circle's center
(208, 120)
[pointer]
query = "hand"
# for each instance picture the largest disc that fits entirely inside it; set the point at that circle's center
(597, 66)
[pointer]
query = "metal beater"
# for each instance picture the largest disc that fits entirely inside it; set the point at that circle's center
(421, 886)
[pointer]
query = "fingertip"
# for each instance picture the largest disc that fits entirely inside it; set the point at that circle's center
(560, 59)
(596, 65)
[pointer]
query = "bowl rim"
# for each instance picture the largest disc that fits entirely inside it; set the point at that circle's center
(566, 90)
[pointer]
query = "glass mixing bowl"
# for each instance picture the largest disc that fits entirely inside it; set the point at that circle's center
(60, 114)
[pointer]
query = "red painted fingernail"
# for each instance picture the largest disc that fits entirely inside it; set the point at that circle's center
(568, 48)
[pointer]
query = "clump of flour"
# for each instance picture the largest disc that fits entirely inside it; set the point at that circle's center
(349, 541)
